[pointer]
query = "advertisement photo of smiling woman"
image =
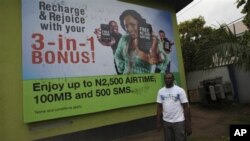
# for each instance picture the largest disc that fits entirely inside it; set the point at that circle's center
(137, 50)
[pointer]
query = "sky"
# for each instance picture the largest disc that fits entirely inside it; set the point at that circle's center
(215, 12)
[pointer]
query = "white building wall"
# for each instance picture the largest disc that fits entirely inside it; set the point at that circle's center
(194, 78)
(242, 77)
(243, 84)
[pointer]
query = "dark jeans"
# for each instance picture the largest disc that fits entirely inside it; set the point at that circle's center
(174, 131)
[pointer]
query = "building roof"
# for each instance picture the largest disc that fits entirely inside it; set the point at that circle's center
(238, 27)
(177, 4)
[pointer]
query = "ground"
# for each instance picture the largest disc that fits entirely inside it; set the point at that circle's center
(209, 123)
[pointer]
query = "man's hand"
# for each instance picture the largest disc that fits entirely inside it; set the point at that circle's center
(187, 115)
(159, 117)
(159, 125)
(104, 43)
(98, 33)
(188, 130)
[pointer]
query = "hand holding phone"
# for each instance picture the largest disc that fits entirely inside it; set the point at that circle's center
(145, 37)
(105, 33)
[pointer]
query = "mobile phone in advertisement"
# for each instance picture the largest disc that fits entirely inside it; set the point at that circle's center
(167, 45)
(105, 33)
(145, 37)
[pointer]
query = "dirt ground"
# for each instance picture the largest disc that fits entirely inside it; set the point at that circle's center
(210, 123)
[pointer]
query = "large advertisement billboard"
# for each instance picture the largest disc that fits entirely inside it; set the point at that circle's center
(88, 56)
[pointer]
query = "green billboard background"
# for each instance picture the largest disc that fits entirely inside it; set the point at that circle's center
(61, 97)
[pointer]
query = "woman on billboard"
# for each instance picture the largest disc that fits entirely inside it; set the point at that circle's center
(137, 51)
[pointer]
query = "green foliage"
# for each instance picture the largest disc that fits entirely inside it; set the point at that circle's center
(245, 39)
(204, 47)
(245, 10)
(223, 49)
(193, 35)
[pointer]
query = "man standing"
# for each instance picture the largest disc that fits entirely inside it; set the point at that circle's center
(166, 48)
(173, 111)
(115, 37)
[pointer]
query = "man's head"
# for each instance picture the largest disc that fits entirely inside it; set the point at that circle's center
(169, 79)
(113, 27)
(162, 35)
(130, 20)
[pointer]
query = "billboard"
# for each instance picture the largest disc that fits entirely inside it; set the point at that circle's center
(81, 57)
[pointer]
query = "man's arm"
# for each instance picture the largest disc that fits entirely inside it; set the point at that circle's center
(108, 43)
(187, 118)
(159, 116)
(118, 56)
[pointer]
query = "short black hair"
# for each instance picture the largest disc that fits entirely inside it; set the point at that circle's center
(161, 31)
(132, 13)
(171, 74)
(110, 22)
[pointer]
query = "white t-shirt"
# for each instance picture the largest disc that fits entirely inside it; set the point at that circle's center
(171, 99)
